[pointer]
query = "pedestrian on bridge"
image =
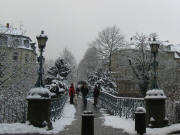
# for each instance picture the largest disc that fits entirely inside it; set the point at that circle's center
(71, 93)
(96, 93)
(78, 90)
(84, 91)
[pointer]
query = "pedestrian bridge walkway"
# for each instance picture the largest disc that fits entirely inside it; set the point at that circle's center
(99, 127)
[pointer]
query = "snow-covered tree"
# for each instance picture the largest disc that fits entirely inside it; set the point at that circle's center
(140, 62)
(60, 69)
(103, 79)
(57, 75)
(108, 42)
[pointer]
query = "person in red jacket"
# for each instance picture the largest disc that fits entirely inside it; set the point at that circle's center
(71, 93)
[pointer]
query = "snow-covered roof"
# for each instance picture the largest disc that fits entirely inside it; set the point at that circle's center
(11, 30)
(175, 47)
(176, 55)
(155, 94)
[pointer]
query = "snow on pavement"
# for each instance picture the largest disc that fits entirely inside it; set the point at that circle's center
(128, 125)
(122, 123)
(22, 128)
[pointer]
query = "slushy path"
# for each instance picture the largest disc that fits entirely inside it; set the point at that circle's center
(99, 128)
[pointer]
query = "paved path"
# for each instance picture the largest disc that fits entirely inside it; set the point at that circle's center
(99, 128)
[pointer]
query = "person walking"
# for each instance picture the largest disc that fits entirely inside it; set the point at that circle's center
(96, 93)
(84, 91)
(78, 90)
(71, 93)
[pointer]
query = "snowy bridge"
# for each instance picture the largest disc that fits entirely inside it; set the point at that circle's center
(69, 121)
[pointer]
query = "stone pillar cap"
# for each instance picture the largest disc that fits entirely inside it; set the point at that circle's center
(155, 94)
(87, 113)
(140, 110)
(39, 93)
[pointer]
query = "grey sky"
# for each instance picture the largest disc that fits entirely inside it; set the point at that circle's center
(75, 23)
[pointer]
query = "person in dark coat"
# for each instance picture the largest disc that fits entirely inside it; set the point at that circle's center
(84, 91)
(78, 90)
(71, 93)
(96, 93)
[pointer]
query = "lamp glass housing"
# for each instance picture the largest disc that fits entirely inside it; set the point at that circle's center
(42, 39)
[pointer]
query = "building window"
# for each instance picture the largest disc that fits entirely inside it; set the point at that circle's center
(3, 40)
(26, 58)
(26, 43)
(3, 55)
(16, 43)
(15, 56)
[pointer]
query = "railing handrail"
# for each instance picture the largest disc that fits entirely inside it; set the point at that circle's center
(122, 106)
(121, 97)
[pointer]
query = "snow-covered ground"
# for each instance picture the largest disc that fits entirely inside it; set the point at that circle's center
(69, 115)
(20, 128)
(128, 125)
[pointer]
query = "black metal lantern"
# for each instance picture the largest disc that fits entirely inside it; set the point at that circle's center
(154, 50)
(154, 46)
(42, 39)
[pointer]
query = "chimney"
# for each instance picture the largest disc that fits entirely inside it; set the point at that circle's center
(7, 25)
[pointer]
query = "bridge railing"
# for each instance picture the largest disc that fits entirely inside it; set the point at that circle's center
(57, 105)
(122, 106)
(17, 112)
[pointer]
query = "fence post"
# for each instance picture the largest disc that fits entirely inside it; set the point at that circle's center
(140, 120)
(87, 125)
(39, 102)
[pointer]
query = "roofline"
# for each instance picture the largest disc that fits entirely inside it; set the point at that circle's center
(16, 36)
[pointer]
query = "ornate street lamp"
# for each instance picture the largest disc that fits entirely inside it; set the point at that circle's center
(42, 39)
(154, 50)
(155, 97)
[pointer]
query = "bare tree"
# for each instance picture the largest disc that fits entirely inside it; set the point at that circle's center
(108, 42)
(88, 64)
(67, 55)
(140, 61)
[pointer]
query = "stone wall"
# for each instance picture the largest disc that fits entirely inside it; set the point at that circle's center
(125, 79)
(18, 72)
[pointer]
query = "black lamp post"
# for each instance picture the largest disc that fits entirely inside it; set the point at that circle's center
(42, 39)
(154, 50)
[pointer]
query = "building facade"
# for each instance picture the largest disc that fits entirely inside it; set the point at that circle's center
(18, 63)
(127, 83)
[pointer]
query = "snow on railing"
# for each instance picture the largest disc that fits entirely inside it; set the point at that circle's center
(17, 112)
(122, 106)
(57, 105)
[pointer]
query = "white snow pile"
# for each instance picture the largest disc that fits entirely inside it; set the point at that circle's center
(155, 94)
(140, 110)
(39, 93)
(121, 123)
(58, 125)
(61, 90)
(128, 126)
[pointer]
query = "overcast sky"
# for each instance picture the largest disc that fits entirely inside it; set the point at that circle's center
(75, 23)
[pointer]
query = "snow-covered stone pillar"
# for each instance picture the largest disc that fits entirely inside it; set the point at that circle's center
(155, 108)
(39, 100)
